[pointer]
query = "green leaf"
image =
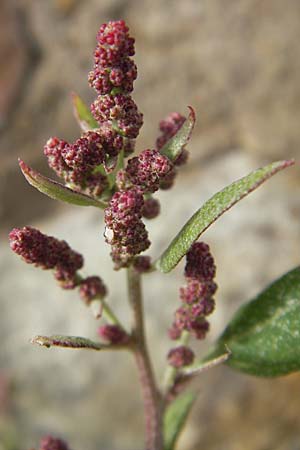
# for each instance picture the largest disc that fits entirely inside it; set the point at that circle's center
(56, 190)
(82, 114)
(75, 342)
(175, 418)
(173, 147)
(264, 335)
(212, 210)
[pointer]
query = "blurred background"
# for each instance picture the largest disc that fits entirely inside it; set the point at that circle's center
(238, 64)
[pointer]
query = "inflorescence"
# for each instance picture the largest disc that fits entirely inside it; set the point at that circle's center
(95, 165)
(196, 297)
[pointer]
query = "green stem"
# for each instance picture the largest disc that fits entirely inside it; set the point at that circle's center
(151, 395)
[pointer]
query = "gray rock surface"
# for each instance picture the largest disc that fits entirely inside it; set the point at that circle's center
(239, 67)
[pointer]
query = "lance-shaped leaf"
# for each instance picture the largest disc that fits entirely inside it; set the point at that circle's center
(212, 210)
(56, 190)
(175, 417)
(173, 147)
(82, 114)
(75, 342)
(264, 335)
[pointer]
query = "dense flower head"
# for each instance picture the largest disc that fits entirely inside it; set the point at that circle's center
(121, 110)
(197, 295)
(151, 208)
(113, 334)
(51, 443)
(46, 252)
(124, 229)
(91, 288)
(200, 263)
(114, 35)
(121, 76)
(53, 151)
(86, 153)
(180, 356)
(147, 169)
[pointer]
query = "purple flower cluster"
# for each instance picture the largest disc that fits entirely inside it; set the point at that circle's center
(51, 443)
(76, 163)
(113, 334)
(147, 170)
(180, 356)
(124, 229)
(92, 288)
(47, 252)
(169, 127)
(112, 77)
(197, 295)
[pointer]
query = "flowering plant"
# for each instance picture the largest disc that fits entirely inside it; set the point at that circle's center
(98, 170)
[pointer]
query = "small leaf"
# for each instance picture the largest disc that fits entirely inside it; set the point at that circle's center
(82, 114)
(56, 190)
(175, 418)
(68, 342)
(212, 210)
(264, 335)
(173, 147)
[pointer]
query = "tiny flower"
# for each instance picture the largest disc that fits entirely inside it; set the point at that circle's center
(147, 169)
(168, 180)
(92, 288)
(51, 443)
(151, 208)
(180, 356)
(113, 334)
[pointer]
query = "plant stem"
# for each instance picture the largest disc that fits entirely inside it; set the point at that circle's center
(151, 395)
(171, 372)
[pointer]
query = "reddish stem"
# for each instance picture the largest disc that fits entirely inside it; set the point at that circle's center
(151, 395)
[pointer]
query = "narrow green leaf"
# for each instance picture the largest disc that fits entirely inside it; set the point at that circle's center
(82, 114)
(56, 190)
(173, 147)
(75, 342)
(264, 335)
(212, 210)
(175, 418)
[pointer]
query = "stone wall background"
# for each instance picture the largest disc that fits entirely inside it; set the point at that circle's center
(238, 63)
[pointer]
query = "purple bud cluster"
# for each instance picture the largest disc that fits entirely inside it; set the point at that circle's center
(47, 252)
(197, 294)
(92, 288)
(76, 162)
(113, 334)
(112, 77)
(124, 229)
(151, 208)
(180, 356)
(51, 443)
(147, 170)
(169, 127)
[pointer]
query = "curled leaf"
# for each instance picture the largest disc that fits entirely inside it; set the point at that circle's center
(173, 147)
(75, 342)
(56, 190)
